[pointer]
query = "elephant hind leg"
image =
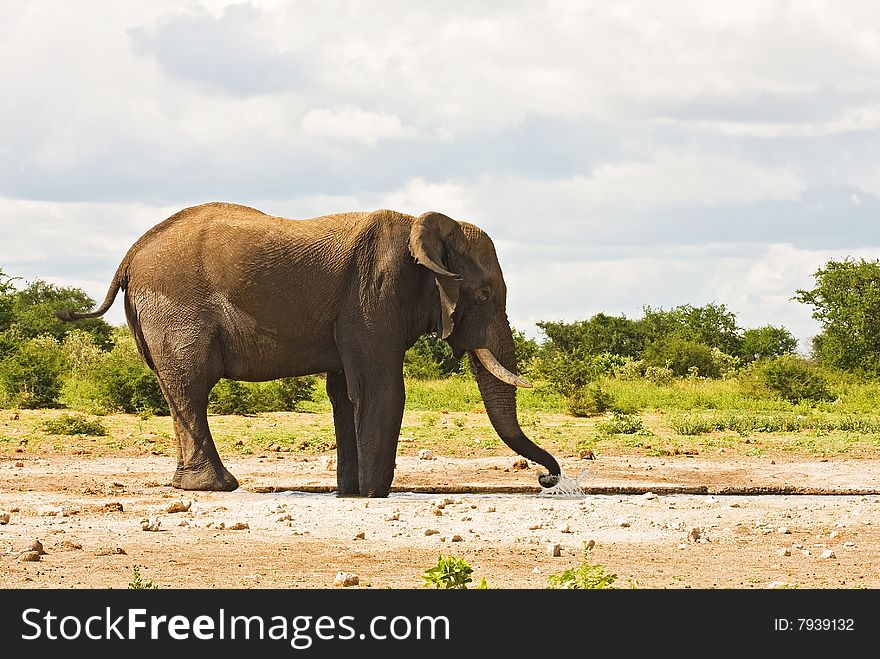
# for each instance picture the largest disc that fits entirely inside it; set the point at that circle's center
(186, 377)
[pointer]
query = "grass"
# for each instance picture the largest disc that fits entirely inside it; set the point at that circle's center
(448, 416)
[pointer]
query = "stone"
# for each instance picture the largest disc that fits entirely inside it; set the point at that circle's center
(695, 534)
(36, 546)
(590, 545)
(110, 551)
(238, 526)
(622, 522)
(649, 496)
(67, 545)
(833, 534)
(520, 463)
(393, 517)
(426, 454)
(431, 531)
(554, 549)
(4, 518)
(18, 463)
(360, 535)
(151, 524)
(29, 556)
(346, 579)
(456, 538)
(178, 506)
(784, 530)
(783, 552)
(828, 553)
(565, 528)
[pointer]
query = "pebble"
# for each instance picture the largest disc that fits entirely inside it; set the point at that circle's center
(238, 526)
(784, 530)
(4, 518)
(151, 524)
(67, 545)
(346, 579)
(682, 546)
(178, 506)
(457, 538)
(554, 549)
(828, 553)
(590, 545)
(431, 531)
(520, 463)
(696, 534)
(783, 552)
(833, 534)
(565, 529)
(36, 546)
(649, 496)
(849, 544)
(18, 463)
(360, 535)
(426, 454)
(110, 551)
(29, 556)
(393, 517)
(490, 509)
(622, 522)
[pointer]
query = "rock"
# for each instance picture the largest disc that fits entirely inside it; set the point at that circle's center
(682, 546)
(183, 522)
(346, 579)
(393, 517)
(554, 549)
(275, 448)
(622, 522)
(649, 496)
(535, 527)
(431, 531)
(833, 534)
(36, 546)
(783, 552)
(4, 518)
(112, 507)
(151, 524)
(590, 545)
(67, 545)
(565, 528)
(178, 506)
(695, 534)
(828, 553)
(490, 509)
(18, 463)
(360, 535)
(520, 463)
(586, 454)
(426, 454)
(849, 544)
(29, 556)
(110, 551)
(457, 538)
(805, 552)
(284, 518)
(784, 530)
(238, 526)
(437, 510)
(328, 463)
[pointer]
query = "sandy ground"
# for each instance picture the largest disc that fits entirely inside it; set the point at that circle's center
(665, 522)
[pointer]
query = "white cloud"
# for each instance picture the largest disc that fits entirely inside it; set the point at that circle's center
(348, 124)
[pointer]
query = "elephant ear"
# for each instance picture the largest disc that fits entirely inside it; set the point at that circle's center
(430, 241)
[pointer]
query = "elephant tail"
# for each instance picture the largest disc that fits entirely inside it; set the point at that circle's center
(119, 281)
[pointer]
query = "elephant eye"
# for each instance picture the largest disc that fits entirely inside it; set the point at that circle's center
(483, 294)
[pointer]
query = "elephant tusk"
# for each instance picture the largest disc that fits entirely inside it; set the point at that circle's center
(495, 368)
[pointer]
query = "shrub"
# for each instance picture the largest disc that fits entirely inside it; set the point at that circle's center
(74, 424)
(682, 356)
(583, 577)
(590, 400)
(621, 424)
(450, 572)
(691, 425)
(30, 376)
(137, 582)
(290, 392)
(788, 377)
(233, 397)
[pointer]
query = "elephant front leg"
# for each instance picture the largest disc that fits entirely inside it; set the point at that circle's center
(377, 398)
(346, 438)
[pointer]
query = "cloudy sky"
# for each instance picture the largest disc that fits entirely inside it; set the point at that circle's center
(620, 154)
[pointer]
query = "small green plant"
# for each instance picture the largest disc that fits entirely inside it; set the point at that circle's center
(75, 424)
(621, 424)
(137, 583)
(450, 572)
(585, 576)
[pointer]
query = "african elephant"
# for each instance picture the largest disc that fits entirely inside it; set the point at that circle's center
(225, 291)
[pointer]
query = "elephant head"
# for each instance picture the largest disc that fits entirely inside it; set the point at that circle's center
(473, 320)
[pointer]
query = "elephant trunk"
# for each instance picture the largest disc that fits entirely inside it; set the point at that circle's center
(500, 400)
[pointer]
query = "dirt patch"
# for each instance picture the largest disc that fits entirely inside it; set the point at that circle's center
(655, 522)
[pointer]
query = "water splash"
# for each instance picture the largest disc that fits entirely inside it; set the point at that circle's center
(565, 487)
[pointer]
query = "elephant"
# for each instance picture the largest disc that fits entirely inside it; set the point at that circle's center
(222, 290)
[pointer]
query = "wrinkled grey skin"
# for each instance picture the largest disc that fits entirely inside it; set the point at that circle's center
(225, 291)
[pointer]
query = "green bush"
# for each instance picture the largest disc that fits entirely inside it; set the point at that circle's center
(115, 381)
(30, 376)
(590, 400)
(233, 397)
(583, 577)
(683, 357)
(788, 377)
(621, 424)
(450, 572)
(74, 424)
(290, 392)
(691, 425)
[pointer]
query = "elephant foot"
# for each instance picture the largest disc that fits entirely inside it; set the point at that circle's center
(376, 492)
(207, 477)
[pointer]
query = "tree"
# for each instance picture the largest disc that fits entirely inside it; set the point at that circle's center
(766, 342)
(34, 307)
(712, 325)
(616, 335)
(430, 358)
(846, 301)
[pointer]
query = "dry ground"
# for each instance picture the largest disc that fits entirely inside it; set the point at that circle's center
(711, 519)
